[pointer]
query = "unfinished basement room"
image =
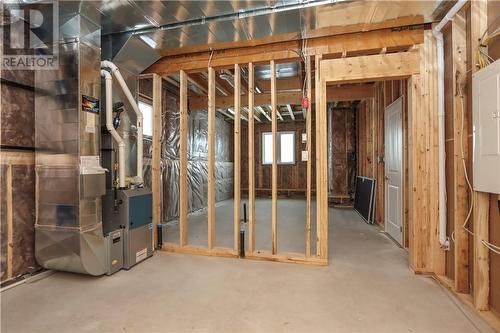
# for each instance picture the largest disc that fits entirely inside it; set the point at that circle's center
(250, 166)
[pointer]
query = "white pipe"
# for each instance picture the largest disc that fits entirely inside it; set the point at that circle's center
(443, 239)
(111, 129)
(116, 72)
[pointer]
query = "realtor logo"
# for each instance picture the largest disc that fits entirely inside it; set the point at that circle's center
(29, 35)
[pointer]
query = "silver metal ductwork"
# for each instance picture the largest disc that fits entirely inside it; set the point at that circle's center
(70, 181)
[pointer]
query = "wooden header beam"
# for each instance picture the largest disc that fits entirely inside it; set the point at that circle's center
(371, 68)
(286, 51)
(337, 94)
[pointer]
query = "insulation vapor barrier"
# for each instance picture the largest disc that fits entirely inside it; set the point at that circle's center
(197, 177)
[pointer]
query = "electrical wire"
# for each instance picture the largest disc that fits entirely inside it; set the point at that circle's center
(464, 165)
(491, 247)
(483, 58)
(462, 155)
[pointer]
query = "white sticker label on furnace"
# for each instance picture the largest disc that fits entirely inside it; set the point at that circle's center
(141, 255)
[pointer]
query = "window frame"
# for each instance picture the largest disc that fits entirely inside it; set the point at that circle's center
(150, 103)
(278, 147)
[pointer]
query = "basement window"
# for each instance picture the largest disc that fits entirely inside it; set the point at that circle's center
(147, 118)
(285, 148)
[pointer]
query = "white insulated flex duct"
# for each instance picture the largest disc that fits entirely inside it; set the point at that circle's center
(116, 73)
(111, 129)
(443, 239)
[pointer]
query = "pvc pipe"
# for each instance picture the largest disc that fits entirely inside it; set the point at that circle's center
(443, 239)
(116, 73)
(111, 129)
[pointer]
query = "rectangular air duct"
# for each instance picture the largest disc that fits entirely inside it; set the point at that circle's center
(70, 181)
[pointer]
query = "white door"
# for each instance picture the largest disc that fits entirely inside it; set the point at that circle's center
(394, 170)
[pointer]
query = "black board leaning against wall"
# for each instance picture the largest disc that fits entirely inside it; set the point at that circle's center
(364, 200)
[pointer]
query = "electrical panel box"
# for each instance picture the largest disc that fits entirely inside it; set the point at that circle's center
(486, 128)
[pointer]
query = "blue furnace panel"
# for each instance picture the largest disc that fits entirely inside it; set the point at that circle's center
(140, 210)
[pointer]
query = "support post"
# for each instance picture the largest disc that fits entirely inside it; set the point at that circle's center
(183, 165)
(319, 184)
(323, 195)
(481, 252)
(10, 231)
(478, 22)
(237, 155)
(309, 155)
(251, 160)
(416, 168)
(156, 155)
(460, 141)
(211, 158)
(274, 170)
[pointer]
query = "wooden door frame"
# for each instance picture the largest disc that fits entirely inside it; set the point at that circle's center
(418, 66)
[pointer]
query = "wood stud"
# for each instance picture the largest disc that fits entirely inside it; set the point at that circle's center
(478, 22)
(460, 189)
(318, 154)
(309, 155)
(156, 155)
(10, 227)
(274, 171)
(183, 164)
(251, 160)
(237, 155)
(211, 159)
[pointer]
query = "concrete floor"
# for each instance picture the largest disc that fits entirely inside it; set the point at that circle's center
(366, 288)
(291, 225)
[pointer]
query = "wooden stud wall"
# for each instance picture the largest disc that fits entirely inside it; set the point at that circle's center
(12, 162)
(405, 62)
(469, 263)
(212, 249)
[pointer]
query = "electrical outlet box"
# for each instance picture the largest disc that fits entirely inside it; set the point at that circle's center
(486, 128)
